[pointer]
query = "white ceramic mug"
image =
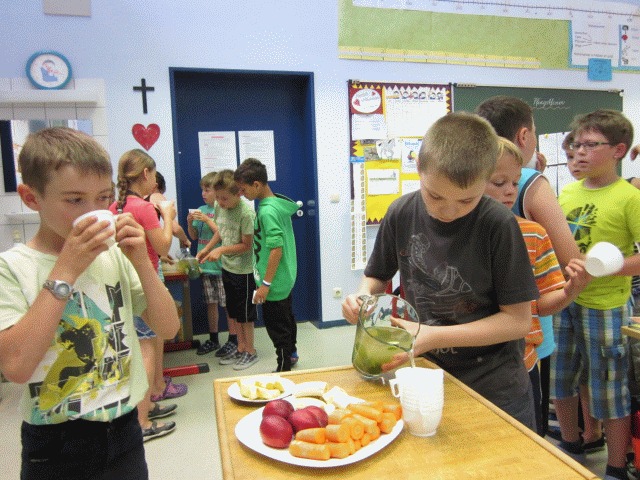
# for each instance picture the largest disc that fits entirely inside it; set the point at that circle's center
(603, 259)
(101, 215)
(421, 394)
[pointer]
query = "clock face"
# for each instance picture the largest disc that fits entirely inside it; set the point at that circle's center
(48, 70)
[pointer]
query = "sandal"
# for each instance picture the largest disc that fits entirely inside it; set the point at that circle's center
(160, 411)
(172, 390)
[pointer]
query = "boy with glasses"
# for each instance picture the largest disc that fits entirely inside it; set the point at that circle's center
(599, 207)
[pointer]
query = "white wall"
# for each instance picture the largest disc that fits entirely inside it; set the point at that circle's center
(123, 42)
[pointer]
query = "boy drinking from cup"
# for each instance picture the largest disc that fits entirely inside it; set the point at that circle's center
(66, 316)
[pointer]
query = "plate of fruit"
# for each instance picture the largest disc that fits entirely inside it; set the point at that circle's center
(260, 389)
(311, 437)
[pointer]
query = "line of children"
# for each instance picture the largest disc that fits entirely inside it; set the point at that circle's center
(202, 228)
(66, 316)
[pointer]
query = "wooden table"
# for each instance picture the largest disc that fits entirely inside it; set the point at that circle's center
(475, 441)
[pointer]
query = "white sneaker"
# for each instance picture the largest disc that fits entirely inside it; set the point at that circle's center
(245, 361)
(230, 359)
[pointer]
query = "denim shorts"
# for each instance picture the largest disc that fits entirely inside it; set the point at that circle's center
(142, 329)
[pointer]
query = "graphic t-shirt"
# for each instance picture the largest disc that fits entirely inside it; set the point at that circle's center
(459, 272)
(607, 214)
(93, 368)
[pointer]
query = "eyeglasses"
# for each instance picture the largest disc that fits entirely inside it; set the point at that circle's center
(588, 146)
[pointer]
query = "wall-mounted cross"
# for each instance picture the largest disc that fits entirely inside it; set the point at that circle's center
(143, 89)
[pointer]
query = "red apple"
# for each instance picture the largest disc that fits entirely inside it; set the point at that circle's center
(320, 414)
(275, 431)
(303, 419)
(279, 407)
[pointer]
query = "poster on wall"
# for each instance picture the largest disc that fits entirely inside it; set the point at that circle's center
(217, 151)
(259, 144)
(387, 122)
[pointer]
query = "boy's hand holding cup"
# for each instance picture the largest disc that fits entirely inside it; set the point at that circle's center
(603, 259)
(102, 215)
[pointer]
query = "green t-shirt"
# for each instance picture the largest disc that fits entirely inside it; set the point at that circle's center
(607, 214)
(93, 368)
(233, 224)
(204, 235)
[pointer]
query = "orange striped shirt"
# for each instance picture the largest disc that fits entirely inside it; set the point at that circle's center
(548, 276)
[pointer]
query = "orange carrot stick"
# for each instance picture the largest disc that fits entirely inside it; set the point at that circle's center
(387, 423)
(365, 440)
(312, 451)
(339, 450)
(356, 427)
(337, 433)
(377, 404)
(374, 433)
(365, 411)
(338, 415)
(369, 425)
(312, 435)
(394, 408)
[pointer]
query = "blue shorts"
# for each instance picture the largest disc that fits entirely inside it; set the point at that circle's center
(591, 348)
(142, 329)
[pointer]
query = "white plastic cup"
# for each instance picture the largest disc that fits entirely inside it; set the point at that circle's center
(603, 259)
(421, 422)
(101, 215)
(421, 394)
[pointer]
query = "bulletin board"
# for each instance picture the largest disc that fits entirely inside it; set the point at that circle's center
(386, 123)
(553, 111)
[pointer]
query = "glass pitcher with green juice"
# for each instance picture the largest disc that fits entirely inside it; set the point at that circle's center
(188, 264)
(387, 325)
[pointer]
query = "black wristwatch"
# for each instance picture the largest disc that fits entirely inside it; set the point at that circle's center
(59, 288)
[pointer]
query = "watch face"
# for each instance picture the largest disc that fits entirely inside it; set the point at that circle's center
(48, 70)
(63, 289)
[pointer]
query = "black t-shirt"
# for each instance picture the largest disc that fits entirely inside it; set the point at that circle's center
(459, 272)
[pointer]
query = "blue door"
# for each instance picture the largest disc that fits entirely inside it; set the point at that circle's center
(233, 100)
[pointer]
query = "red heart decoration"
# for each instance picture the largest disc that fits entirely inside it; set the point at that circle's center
(146, 136)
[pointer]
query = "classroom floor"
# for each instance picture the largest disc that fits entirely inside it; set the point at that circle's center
(193, 447)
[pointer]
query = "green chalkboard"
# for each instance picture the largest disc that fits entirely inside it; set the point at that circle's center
(553, 108)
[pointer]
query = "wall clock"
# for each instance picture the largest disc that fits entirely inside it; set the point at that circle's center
(48, 70)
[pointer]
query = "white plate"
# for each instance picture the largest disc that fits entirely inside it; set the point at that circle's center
(234, 389)
(248, 432)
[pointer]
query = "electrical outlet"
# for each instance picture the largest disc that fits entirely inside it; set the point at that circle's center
(337, 292)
